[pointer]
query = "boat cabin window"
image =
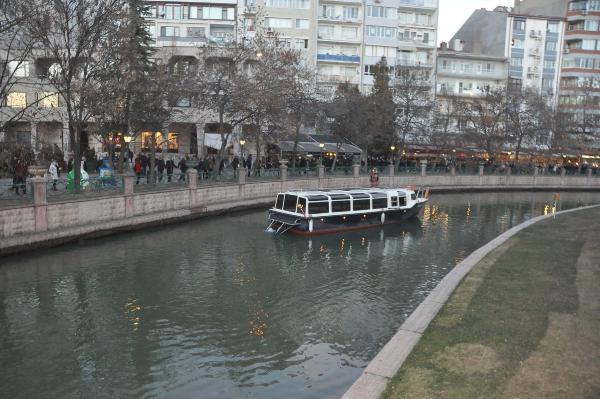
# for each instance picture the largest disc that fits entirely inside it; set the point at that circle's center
(340, 206)
(301, 207)
(402, 201)
(379, 200)
(279, 202)
(395, 202)
(361, 204)
(413, 196)
(290, 203)
(318, 207)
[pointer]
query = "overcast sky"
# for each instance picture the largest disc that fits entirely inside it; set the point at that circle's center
(453, 13)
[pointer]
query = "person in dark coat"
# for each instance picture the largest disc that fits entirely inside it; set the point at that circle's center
(19, 176)
(182, 166)
(249, 164)
(170, 165)
(160, 167)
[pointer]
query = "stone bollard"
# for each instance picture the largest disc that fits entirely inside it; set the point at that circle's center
(423, 168)
(40, 204)
(321, 170)
(391, 170)
(453, 170)
(588, 176)
(283, 170)
(242, 173)
(356, 171)
(480, 169)
(563, 174)
(128, 183)
(192, 176)
(536, 171)
(508, 171)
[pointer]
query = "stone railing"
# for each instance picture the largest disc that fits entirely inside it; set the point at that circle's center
(42, 222)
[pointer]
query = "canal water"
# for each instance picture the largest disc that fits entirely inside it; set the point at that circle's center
(217, 308)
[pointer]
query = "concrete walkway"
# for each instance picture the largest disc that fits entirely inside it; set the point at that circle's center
(493, 339)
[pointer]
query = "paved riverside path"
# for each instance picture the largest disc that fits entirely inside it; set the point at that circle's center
(524, 323)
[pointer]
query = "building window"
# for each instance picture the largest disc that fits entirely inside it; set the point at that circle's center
(552, 27)
(382, 12)
(588, 44)
(350, 13)
(279, 22)
(551, 46)
(302, 24)
(219, 13)
(48, 99)
(16, 100)
(516, 62)
(549, 64)
(19, 69)
(196, 31)
(297, 4)
(591, 25)
(349, 33)
(169, 31)
(170, 11)
(517, 43)
(381, 31)
(519, 25)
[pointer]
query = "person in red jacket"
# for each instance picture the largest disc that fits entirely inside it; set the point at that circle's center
(374, 178)
(137, 167)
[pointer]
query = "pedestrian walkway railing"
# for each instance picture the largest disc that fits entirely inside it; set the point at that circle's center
(303, 171)
(161, 181)
(14, 194)
(93, 186)
(17, 194)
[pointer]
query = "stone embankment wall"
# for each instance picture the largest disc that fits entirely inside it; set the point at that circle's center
(43, 224)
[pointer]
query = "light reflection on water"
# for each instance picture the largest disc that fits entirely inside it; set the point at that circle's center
(218, 308)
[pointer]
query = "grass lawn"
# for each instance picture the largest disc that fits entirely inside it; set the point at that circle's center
(524, 323)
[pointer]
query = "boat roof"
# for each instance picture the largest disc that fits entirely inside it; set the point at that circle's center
(323, 195)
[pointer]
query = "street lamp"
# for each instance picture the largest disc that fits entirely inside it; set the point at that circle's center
(242, 142)
(127, 138)
(321, 145)
(393, 148)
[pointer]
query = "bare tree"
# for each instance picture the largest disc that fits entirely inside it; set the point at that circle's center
(413, 99)
(525, 111)
(444, 120)
(486, 119)
(74, 35)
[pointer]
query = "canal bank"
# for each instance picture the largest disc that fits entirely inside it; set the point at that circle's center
(522, 323)
(45, 223)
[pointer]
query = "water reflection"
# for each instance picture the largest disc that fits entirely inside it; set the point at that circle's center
(218, 308)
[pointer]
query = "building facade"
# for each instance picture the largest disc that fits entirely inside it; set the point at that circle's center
(341, 39)
(580, 74)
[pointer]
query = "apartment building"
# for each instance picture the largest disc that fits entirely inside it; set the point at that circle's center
(530, 42)
(580, 74)
(342, 39)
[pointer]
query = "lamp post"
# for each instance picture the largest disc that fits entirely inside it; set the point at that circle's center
(127, 138)
(393, 148)
(321, 145)
(242, 142)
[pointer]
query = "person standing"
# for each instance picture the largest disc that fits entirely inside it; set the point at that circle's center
(20, 173)
(53, 170)
(234, 164)
(160, 166)
(137, 167)
(170, 165)
(249, 164)
(182, 166)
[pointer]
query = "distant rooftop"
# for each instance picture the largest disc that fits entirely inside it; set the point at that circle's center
(541, 8)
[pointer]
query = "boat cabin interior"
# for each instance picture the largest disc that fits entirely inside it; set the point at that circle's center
(320, 203)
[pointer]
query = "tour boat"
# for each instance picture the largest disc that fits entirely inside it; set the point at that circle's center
(331, 211)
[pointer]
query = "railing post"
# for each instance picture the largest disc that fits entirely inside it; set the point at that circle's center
(283, 169)
(536, 172)
(242, 172)
(563, 174)
(452, 170)
(508, 171)
(356, 171)
(192, 178)
(40, 203)
(128, 183)
(321, 170)
(391, 170)
(480, 169)
(423, 168)
(588, 176)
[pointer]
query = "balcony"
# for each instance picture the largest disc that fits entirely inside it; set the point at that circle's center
(417, 42)
(338, 58)
(339, 39)
(413, 63)
(431, 4)
(338, 79)
(339, 19)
